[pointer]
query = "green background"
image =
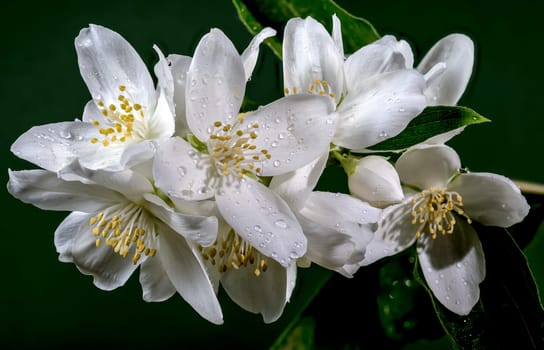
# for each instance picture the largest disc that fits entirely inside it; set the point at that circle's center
(45, 303)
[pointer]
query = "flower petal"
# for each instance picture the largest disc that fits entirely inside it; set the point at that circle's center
(53, 146)
(179, 65)
(384, 55)
(295, 187)
(263, 219)
(265, 294)
(65, 233)
(310, 54)
(394, 234)
(156, 285)
(251, 53)
(45, 190)
(138, 153)
(165, 80)
(376, 181)
(109, 269)
(199, 229)
(428, 166)
(181, 171)
(454, 266)
(491, 199)
(385, 104)
(107, 61)
(337, 34)
(295, 130)
(216, 84)
(457, 52)
(188, 274)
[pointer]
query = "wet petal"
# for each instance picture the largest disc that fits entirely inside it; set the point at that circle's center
(65, 233)
(309, 54)
(454, 266)
(491, 199)
(183, 172)
(456, 51)
(294, 130)
(428, 166)
(263, 219)
(265, 294)
(215, 84)
(107, 61)
(384, 106)
(179, 65)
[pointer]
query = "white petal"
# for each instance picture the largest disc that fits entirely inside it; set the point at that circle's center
(160, 124)
(179, 65)
(107, 61)
(215, 83)
(491, 199)
(65, 233)
(263, 219)
(454, 266)
(294, 187)
(138, 153)
(156, 285)
(165, 80)
(309, 54)
(444, 137)
(457, 52)
(109, 269)
(428, 166)
(395, 233)
(382, 56)
(183, 172)
(376, 181)
(199, 229)
(251, 53)
(188, 275)
(295, 130)
(337, 34)
(46, 191)
(384, 106)
(265, 294)
(53, 146)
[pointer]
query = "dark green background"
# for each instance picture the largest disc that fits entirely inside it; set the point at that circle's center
(45, 303)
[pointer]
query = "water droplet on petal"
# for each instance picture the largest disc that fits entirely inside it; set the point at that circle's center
(65, 134)
(257, 228)
(276, 163)
(181, 171)
(383, 134)
(281, 224)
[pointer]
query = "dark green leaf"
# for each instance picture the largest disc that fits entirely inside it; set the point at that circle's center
(299, 337)
(255, 14)
(509, 314)
(431, 122)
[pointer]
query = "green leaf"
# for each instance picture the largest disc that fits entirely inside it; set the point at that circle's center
(431, 122)
(256, 14)
(300, 337)
(509, 314)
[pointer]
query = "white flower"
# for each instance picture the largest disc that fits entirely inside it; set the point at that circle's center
(377, 91)
(118, 222)
(337, 226)
(121, 121)
(440, 204)
(239, 148)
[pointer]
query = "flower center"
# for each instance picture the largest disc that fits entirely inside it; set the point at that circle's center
(318, 87)
(122, 228)
(232, 251)
(124, 120)
(233, 149)
(435, 209)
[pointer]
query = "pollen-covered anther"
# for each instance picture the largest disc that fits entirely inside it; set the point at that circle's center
(124, 232)
(233, 252)
(123, 118)
(232, 148)
(434, 211)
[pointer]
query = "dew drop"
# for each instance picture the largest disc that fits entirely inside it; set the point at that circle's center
(281, 136)
(383, 134)
(276, 163)
(293, 255)
(328, 121)
(402, 110)
(436, 281)
(441, 275)
(274, 255)
(274, 144)
(182, 171)
(309, 121)
(257, 228)
(65, 134)
(281, 224)
(262, 245)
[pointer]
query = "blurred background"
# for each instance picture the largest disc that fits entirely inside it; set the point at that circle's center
(48, 304)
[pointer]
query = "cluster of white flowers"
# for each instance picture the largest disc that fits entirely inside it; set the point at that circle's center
(174, 179)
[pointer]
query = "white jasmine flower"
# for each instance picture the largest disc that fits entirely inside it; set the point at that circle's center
(237, 149)
(119, 222)
(440, 204)
(121, 122)
(376, 90)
